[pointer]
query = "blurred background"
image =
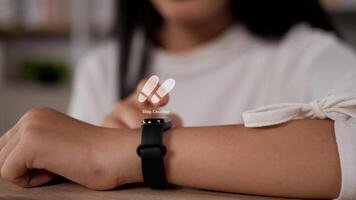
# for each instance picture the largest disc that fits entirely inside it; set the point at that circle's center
(41, 41)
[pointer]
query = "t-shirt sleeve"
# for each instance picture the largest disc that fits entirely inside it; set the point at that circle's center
(338, 75)
(93, 91)
(333, 71)
(328, 77)
(346, 139)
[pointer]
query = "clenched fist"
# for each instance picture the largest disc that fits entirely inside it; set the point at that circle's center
(45, 143)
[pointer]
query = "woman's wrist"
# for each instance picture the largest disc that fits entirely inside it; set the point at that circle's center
(114, 155)
(133, 164)
(132, 139)
(134, 168)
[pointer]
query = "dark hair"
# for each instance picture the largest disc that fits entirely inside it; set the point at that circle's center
(267, 19)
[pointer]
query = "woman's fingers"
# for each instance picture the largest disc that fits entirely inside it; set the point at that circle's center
(3, 141)
(176, 120)
(133, 116)
(124, 115)
(7, 136)
(15, 170)
(39, 177)
(148, 97)
(113, 121)
(43, 147)
(7, 149)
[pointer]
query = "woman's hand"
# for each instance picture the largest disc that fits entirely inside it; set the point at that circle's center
(129, 112)
(46, 143)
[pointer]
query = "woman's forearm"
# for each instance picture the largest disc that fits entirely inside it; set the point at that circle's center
(297, 159)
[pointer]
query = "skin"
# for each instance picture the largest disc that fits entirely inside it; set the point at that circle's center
(297, 159)
(190, 23)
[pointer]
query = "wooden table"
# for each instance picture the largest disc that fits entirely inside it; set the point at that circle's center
(71, 191)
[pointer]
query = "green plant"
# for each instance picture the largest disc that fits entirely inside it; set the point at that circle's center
(45, 70)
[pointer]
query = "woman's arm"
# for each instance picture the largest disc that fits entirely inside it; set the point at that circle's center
(298, 159)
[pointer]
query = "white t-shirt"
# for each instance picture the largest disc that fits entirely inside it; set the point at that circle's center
(219, 80)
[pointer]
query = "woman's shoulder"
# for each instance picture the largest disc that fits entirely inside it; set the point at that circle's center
(305, 45)
(302, 44)
(303, 38)
(321, 60)
(313, 45)
(304, 30)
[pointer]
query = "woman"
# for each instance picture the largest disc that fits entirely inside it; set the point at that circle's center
(226, 57)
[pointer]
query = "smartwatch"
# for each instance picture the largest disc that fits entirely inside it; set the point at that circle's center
(152, 151)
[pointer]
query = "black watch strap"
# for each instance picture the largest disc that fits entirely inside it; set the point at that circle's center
(152, 152)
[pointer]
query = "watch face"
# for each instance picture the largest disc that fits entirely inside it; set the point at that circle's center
(153, 121)
(165, 122)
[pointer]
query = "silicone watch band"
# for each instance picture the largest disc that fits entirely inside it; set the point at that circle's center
(152, 152)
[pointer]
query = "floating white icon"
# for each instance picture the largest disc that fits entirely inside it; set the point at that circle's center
(149, 87)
